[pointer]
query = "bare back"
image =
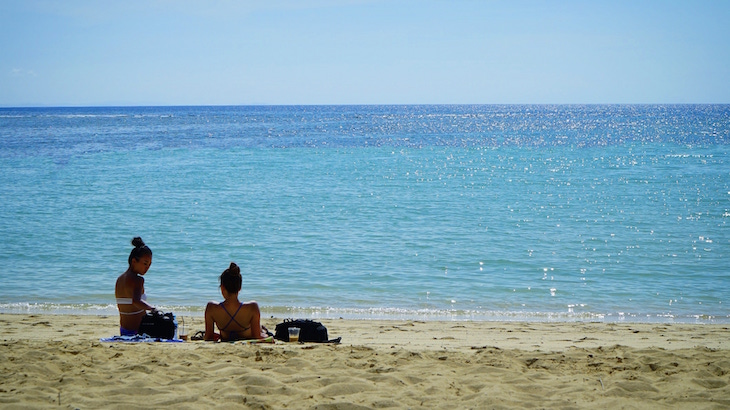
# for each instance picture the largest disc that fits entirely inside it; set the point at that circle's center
(234, 320)
(130, 288)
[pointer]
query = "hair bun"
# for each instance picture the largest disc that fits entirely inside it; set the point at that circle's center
(137, 242)
(231, 278)
(234, 269)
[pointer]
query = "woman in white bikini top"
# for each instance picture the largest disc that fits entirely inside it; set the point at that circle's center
(129, 289)
(130, 301)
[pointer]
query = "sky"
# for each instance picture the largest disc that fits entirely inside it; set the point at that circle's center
(237, 52)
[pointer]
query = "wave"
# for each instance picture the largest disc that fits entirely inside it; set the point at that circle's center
(333, 313)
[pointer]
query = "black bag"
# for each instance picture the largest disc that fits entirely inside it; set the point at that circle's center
(309, 331)
(159, 325)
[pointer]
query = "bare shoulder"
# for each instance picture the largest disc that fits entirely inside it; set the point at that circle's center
(127, 284)
(212, 308)
(130, 280)
(251, 305)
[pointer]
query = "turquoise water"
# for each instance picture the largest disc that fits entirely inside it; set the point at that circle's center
(431, 212)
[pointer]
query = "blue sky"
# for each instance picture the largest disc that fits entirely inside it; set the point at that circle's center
(165, 52)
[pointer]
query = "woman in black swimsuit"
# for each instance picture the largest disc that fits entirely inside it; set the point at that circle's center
(235, 320)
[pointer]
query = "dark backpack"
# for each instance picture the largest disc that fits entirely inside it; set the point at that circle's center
(309, 331)
(158, 325)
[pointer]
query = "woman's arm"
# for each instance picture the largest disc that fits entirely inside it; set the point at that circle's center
(137, 295)
(210, 322)
(255, 320)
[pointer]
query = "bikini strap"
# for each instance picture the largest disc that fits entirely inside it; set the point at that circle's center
(233, 316)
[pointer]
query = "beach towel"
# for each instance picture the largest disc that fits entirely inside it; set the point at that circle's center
(138, 339)
(269, 339)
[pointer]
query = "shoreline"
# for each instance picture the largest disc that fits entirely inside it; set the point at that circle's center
(58, 360)
(391, 314)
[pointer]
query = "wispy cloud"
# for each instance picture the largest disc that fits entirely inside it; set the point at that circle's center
(21, 72)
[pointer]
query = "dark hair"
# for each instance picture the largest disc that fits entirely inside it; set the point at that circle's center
(231, 279)
(140, 249)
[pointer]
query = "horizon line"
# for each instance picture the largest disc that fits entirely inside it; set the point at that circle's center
(343, 105)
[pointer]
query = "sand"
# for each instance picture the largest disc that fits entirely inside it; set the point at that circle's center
(57, 361)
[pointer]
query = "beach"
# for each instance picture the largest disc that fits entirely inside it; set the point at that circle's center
(59, 361)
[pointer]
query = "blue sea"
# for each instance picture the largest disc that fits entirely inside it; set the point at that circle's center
(473, 212)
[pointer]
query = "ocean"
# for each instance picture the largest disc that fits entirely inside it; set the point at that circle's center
(473, 212)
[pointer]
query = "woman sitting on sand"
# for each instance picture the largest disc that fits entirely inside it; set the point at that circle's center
(235, 320)
(129, 289)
